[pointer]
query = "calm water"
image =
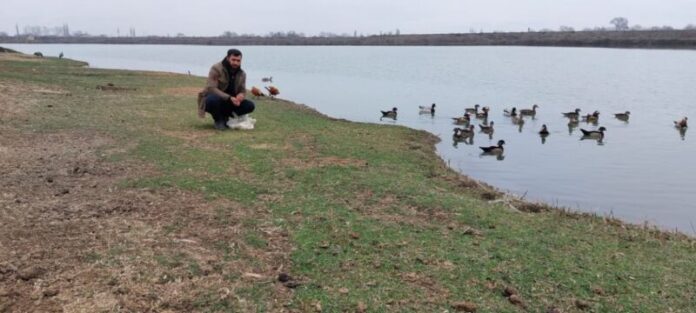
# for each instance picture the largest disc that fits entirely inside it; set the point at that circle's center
(642, 171)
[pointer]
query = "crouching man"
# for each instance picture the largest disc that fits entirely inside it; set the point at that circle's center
(224, 95)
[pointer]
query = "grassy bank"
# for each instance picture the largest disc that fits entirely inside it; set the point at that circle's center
(135, 204)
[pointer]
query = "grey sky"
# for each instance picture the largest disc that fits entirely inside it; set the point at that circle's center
(212, 17)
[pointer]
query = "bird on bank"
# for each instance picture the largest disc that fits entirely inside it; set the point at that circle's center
(574, 114)
(257, 92)
(473, 110)
(531, 111)
(424, 109)
(511, 113)
(273, 91)
(494, 149)
(593, 134)
(681, 124)
(622, 116)
(544, 131)
(487, 128)
(462, 120)
(389, 114)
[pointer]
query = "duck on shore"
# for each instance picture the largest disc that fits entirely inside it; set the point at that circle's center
(257, 92)
(273, 91)
(389, 114)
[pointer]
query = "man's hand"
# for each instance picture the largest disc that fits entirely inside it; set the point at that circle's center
(235, 101)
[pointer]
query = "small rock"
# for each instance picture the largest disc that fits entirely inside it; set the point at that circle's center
(49, 179)
(30, 273)
(516, 300)
(284, 277)
(509, 291)
(343, 290)
(598, 291)
(464, 306)
(581, 304)
(50, 292)
(355, 235)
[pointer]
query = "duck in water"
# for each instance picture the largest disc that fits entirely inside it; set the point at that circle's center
(494, 149)
(389, 114)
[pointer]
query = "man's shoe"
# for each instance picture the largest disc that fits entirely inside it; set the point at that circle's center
(220, 125)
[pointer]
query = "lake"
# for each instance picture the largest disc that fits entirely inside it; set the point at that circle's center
(640, 172)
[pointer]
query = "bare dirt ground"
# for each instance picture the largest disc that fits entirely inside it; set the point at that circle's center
(74, 239)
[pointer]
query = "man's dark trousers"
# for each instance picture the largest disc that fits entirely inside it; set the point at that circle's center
(221, 109)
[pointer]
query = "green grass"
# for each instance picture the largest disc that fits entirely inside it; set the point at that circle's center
(370, 216)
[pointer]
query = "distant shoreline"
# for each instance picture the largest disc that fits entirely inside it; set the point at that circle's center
(652, 39)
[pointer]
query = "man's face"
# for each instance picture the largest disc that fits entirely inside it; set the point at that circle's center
(235, 61)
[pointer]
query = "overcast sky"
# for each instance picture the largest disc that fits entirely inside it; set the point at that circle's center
(213, 17)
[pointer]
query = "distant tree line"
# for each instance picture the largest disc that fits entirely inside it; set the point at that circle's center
(621, 34)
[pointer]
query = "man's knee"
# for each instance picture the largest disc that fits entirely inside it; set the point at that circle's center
(247, 106)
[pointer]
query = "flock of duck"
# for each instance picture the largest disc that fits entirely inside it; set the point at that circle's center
(466, 128)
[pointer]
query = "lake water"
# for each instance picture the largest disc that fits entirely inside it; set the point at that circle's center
(641, 172)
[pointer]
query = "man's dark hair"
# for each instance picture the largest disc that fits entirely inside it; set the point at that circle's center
(234, 52)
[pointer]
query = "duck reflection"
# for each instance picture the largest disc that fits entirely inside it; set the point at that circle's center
(682, 133)
(572, 124)
(465, 135)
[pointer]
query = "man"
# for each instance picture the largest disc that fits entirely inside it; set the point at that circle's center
(224, 95)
